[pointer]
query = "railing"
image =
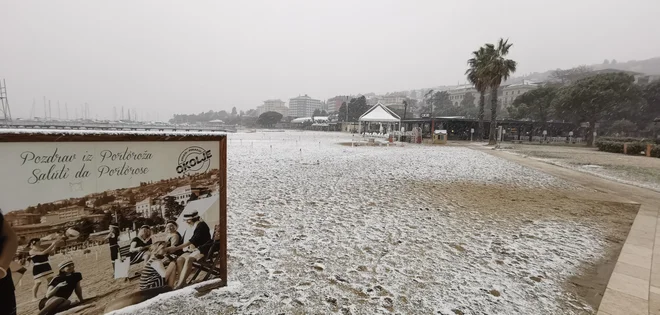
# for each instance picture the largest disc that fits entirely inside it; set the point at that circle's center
(548, 139)
(376, 135)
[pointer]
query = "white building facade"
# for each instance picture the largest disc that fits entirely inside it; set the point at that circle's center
(458, 93)
(147, 207)
(512, 91)
(303, 106)
(392, 100)
(181, 194)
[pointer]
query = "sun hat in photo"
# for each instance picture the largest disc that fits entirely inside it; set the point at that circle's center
(65, 264)
(145, 227)
(190, 216)
(173, 223)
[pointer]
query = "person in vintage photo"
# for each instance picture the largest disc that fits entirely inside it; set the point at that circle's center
(113, 238)
(60, 289)
(135, 223)
(8, 246)
(140, 245)
(155, 274)
(173, 236)
(201, 236)
(42, 271)
(172, 239)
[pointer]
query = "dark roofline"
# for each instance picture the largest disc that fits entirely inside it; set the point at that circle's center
(474, 120)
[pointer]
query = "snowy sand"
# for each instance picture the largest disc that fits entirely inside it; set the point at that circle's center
(317, 228)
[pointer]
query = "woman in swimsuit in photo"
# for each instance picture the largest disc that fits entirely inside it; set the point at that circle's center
(41, 269)
(139, 249)
(172, 239)
(113, 238)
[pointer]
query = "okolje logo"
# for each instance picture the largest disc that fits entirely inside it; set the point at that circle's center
(194, 160)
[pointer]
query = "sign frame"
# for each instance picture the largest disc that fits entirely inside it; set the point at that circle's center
(41, 135)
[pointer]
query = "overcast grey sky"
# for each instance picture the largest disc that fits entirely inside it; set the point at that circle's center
(188, 56)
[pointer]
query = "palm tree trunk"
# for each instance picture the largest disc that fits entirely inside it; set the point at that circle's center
(493, 115)
(482, 104)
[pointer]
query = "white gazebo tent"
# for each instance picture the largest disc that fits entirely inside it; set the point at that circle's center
(382, 115)
(207, 208)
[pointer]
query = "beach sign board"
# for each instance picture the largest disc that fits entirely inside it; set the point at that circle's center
(101, 202)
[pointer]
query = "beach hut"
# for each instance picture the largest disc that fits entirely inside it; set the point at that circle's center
(386, 119)
(207, 208)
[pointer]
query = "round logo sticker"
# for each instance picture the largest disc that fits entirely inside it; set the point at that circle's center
(193, 160)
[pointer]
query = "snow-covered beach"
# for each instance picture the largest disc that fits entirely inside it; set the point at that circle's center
(315, 227)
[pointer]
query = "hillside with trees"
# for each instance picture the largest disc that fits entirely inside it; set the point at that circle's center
(611, 101)
(204, 117)
(647, 66)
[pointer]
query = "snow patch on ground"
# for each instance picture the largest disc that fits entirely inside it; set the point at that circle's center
(319, 228)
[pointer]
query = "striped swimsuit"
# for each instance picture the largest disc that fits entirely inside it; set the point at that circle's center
(41, 266)
(150, 278)
(136, 257)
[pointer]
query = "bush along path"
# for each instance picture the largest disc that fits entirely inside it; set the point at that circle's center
(631, 146)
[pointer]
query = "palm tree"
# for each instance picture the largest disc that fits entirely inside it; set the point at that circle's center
(497, 70)
(475, 76)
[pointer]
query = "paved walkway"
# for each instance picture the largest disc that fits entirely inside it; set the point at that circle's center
(634, 286)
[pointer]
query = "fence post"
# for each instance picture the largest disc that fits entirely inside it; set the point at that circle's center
(625, 148)
(648, 150)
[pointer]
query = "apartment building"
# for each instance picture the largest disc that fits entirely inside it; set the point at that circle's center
(71, 213)
(458, 93)
(181, 194)
(303, 106)
(148, 207)
(392, 100)
(335, 103)
(512, 91)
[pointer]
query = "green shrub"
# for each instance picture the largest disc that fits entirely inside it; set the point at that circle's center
(634, 148)
(624, 139)
(610, 146)
(601, 142)
(655, 151)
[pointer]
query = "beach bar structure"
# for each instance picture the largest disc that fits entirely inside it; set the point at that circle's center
(460, 128)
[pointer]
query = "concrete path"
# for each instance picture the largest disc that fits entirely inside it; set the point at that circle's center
(634, 286)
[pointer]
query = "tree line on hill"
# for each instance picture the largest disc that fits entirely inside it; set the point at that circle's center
(232, 118)
(649, 66)
(612, 100)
